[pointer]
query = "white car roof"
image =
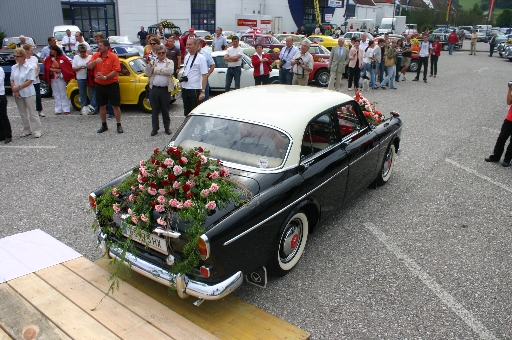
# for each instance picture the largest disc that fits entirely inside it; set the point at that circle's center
(286, 107)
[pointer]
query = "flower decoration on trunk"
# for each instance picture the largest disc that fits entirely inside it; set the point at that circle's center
(372, 115)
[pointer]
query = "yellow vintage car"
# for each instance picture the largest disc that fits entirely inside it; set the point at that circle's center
(324, 40)
(132, 85)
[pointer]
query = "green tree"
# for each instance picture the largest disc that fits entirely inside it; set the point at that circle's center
(505, 18)
(2, 34)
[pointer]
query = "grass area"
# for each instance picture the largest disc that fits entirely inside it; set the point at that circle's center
(468, 4)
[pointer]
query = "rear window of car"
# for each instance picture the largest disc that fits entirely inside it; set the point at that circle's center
(236, 142)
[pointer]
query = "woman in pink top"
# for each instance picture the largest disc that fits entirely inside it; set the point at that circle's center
(436, 52)
(355, 62)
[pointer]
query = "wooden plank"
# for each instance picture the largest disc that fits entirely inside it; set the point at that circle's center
(229, 318)
(4, 336)
(20, 319)
(118, 319)
(62, 312)
(139, 303)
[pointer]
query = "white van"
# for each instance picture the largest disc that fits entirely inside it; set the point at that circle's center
(60, 31)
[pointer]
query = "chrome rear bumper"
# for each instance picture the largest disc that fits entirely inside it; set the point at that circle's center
(183, 284)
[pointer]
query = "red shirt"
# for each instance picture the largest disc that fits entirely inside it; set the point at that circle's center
(108, 64)
(436, 48)
(509, 115)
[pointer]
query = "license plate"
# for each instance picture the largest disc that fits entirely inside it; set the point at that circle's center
(152, 241)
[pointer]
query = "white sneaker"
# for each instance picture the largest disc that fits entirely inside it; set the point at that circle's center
(84, 110)
(403, 78)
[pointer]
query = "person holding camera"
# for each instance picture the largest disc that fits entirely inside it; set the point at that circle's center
(285, 57)
(233, 57)
(195, 75)
(302, 64)
(505, 133)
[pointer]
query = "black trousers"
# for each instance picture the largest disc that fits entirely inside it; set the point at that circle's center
(5, 124)
(505, 133)
(353, 75)
(433, 64)
(159, 98)
(39, 105)
(261, 80)
(190, 99)
(491, 49)
(424, 62)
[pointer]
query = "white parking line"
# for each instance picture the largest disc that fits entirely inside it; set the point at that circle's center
(27, 147)
(471, 171)
(489, 129)
(441, 293)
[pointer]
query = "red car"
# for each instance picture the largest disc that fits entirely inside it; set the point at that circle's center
(266, 40)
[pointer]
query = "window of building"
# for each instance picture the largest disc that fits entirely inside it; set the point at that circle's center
(91, 16)
(203, 15)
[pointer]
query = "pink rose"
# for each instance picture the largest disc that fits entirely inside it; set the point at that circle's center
(144, 172)
(215, 175)
(116, 208)
(131, 198)
(161, 222)
(141, 163)
(152, 191)
(141, 187)
(183, 160)
(176, 185)
(161, 199)
(188, 204)
(224, 172)
(130, 211)
(162, 191)
(114, 192)
(144, 218)
(214, 187)
(135, 220)
(205, 192)
(211, 205)
(169, 162)
(177, 170)
(191, 184)
(173, 203)
(159, 170)
(179, 206)
(139, 178)
(203, 159)
(160, 208)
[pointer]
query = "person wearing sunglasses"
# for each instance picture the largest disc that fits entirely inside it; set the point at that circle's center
(161, 83)
(23, 75)
(151, 55)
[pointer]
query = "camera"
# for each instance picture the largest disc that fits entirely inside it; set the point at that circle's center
(183, 79)
(281, 63)
(510, 84)
(298, 59)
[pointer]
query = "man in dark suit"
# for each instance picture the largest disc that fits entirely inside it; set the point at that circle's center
(337, 63)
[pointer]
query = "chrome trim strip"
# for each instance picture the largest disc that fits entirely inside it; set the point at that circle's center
(187, 286)
(168, 233)
(280, 211)
(363, 155)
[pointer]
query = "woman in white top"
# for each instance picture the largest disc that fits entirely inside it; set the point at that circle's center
(30, 58)
(367, 61)
(23, 75)
(80, 67)
(5, 124)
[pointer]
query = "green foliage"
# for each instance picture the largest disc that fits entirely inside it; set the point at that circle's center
(504, 19)
(2, 34)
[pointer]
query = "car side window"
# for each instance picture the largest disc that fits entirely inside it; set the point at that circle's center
(124, 70)
(348, 119)
(220, 62)
(320, 133)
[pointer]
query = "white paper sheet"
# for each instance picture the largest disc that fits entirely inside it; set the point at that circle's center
(27, 252)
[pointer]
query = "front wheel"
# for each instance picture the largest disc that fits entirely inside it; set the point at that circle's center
(322, 77)
(291, 243)
(144, 103)
(446, 47)
(273, 80)
(75, 100)
(45, 89)
(413, 67)
(388, 165)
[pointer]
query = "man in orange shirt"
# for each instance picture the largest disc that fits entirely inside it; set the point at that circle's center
(106, 67)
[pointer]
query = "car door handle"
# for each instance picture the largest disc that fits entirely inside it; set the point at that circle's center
(221, 72)
(132, 80)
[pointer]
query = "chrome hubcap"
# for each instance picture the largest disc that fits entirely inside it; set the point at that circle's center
(291, 240)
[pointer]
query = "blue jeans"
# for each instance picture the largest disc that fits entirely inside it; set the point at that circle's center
(82, 89)
(285, 76)
(92, 98)
(233, 72)
(452, 46)
(206, 92)
(142, 42)
(390, 71)
(382, 68)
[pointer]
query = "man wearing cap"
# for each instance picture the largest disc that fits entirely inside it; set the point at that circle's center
(183, 40)
(69, 42)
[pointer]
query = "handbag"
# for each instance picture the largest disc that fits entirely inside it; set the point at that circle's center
(374, 64)
(389, 62)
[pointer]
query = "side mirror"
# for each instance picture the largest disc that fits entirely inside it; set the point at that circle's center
(246, 67)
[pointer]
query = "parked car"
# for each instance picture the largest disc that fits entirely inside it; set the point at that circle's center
(266, 40)
(297, 38)
(132, 84)
(347, 36)
(9, 43)
(7, 61)
(119, 39)
(168, 31)
(203, 34)
(502, 46)
(443, 39)
(305, 164)
(413, 32)
(507, 52)
(327, 42)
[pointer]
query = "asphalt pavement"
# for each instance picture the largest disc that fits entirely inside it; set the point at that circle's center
(427, 256)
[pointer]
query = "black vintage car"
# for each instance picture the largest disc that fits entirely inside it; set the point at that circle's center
(301, 159)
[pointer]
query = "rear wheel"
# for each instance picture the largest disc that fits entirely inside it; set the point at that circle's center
(413, 67)
(445, 48)
(322, 77)
(75, 100)
(144, 104)
(291, 243)
(388, 165)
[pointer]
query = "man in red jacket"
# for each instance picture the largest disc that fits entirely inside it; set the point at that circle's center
(183, 41)
(453, 38)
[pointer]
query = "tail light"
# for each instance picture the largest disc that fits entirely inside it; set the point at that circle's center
(205, 271)
(204, 247)
(92, 201)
